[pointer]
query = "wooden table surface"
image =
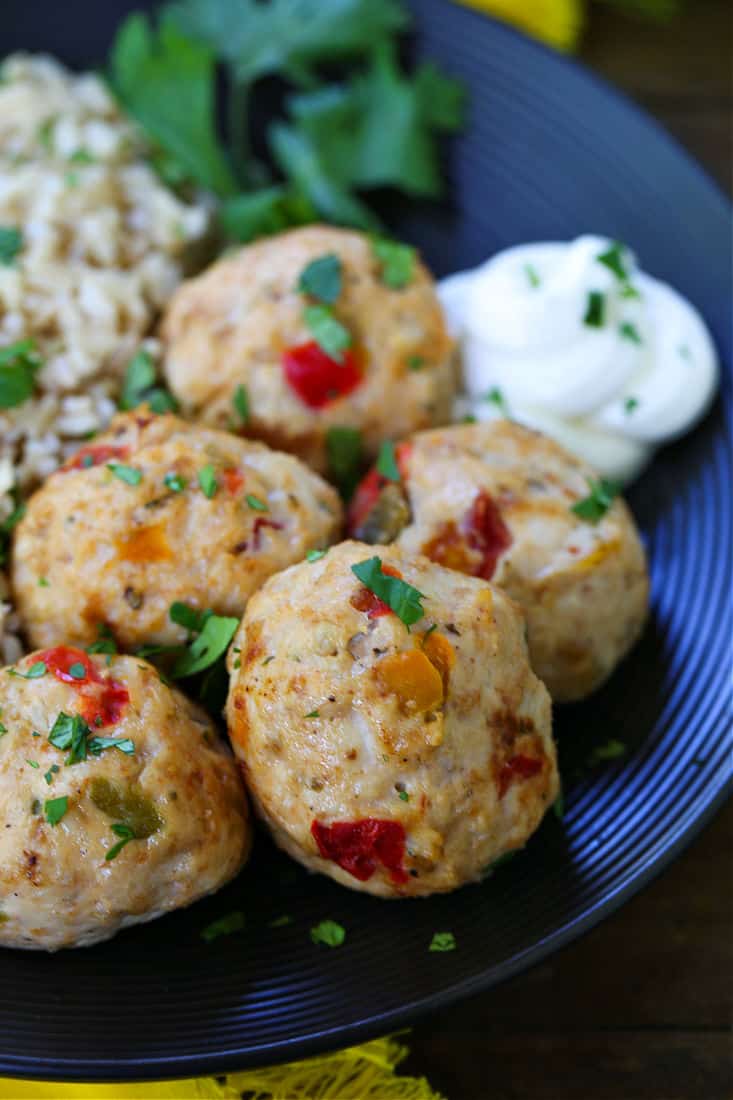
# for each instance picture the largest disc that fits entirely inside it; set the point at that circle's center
(640, 1009)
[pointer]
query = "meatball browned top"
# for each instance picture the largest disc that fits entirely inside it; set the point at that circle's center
(499, 501)
(399, 761)
(157, 511)
(118, 799)
(252, 325)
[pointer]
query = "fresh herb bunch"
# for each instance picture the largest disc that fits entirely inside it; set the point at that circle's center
(376, 126)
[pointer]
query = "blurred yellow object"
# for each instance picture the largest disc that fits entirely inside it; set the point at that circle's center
(557, 22)
(366, 1072)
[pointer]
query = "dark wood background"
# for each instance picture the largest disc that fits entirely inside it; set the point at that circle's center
(640, 1009)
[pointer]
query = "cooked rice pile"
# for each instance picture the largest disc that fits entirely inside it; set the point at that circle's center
(104, 245)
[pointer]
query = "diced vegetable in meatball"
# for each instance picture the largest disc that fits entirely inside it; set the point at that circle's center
(155, 512)
(310, 331)
(391, 730)
(118, 800)
(499, 501)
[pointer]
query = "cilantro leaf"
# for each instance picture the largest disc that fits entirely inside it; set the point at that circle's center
(240, 401)
(207, 647)
(630, 332)
(37, 669)
(70, 731)
(129, 474)
(328, 332)
(167, 82)
(207, 481)
(397, 262)
(496, 397)
(400, 596)
(344, 450)
(55, 808)
(443, 941)
(97, 745)
(11, 243)
(602, 494)
(18, 365)
(126, 834)
(595, 313)
(329, 933)
(260, 213)
(387, 462)
(188, 617)
(321, 278)
(256, 504)
(224, 926)
(287, 36)
(315, 555)
(140, 386)
(532, 277)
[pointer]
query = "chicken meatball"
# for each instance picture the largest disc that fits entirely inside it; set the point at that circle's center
(320, 331)
(499, 501)
(119, 801)
(155, 512)
(401, 762)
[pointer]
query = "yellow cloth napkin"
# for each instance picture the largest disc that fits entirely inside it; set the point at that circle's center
(557, 22)
(366, 1072)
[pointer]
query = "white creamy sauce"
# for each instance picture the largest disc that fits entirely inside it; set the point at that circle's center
(609, 361)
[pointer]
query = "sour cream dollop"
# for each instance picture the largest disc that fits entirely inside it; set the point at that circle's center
(573, 339)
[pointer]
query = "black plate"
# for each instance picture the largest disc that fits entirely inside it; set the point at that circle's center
(550, 152)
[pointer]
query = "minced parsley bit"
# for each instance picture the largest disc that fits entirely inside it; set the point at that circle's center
(628, 331)
(240, 400)
(321, 278)
(595, 313)
(387, 461)
(630, 404)
(443, 941)
(175, 482)
(403, 795)
(328, 933)
(532, 277)
(315, 555)
(33, 763)
(55, 808)
(256, 504)
(126, 834)
(224, 926)
(602, 495)
(37, 669)
(208, 482)
(129, 474)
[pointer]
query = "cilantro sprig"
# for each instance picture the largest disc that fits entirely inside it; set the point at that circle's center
(19, 363)
(602, 494)
(327, 331)
(321, 279)
(140, 385)
(400, 597)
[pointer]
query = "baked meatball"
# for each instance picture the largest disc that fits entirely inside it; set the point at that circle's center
(118, 799)
(496, 500)
(399, 762)
(243, 323)
(157, 511)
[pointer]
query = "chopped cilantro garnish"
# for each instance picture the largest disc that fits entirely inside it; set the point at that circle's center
(240, 401)
(328, 933)
(33, 763)
(105, 642)
(224, 926)
(630, 404)
(403, 795)
(78, 671)
(37, 669)
(628, 331)
(344, 450)
(496, 397)
(190, 618)
(281, 922)
(43, 582)
(70, 731)
(397, 262)
(97, 745)
(387, 461)
(415, 362)
(216, 634)
(330, 335)
(208, 482)
(175, 482)
(614, 260)
(602, 494)
(256, 504)
(558, 807)
(55, 808)
(126, 834)
(140, 385)
(468, 419)
(313, 714)
(81, 156)
(18, 365)
(321, 279)
(268, 659)
(129, 474)
(315, 555)
(11, 243)
(595, 313)
(610, 750)
(52, 771)
(443, 941)
(400, 596)
(532, 277)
